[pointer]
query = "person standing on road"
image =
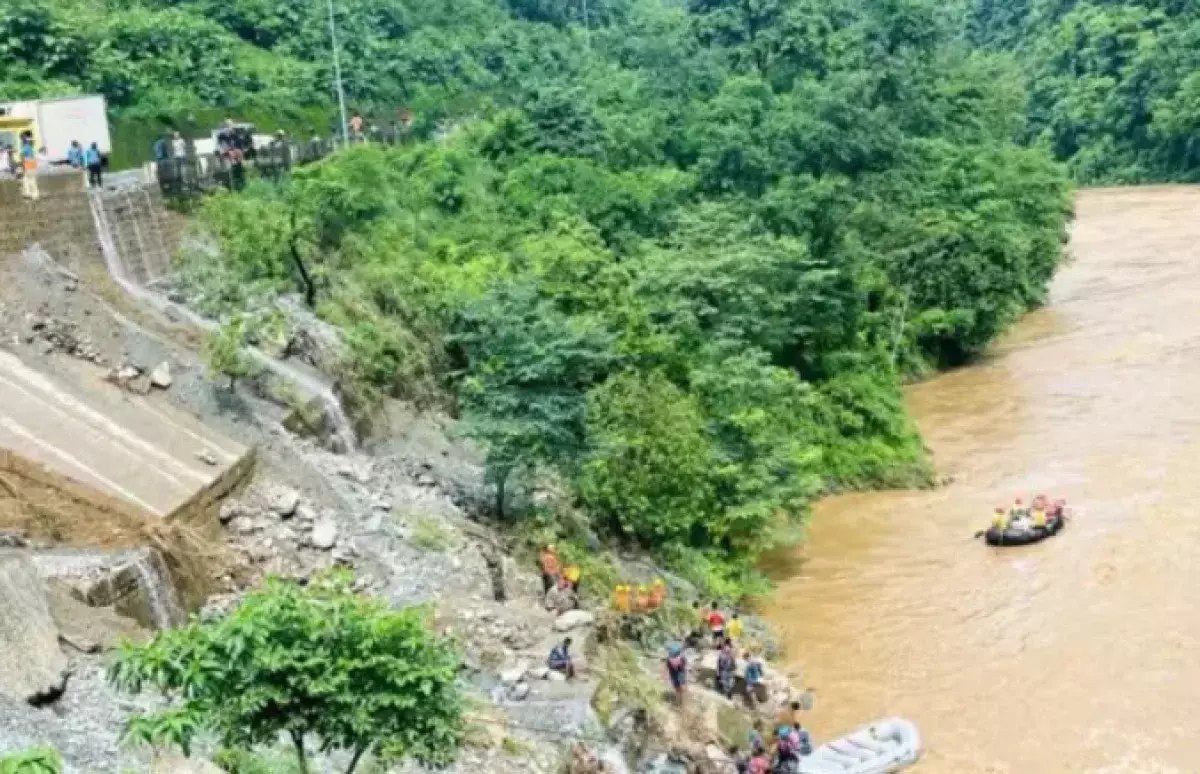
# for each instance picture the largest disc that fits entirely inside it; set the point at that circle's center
(75, 155)
(29, 169)
(95, 166)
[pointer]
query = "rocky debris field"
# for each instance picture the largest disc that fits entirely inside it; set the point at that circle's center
(398, 513)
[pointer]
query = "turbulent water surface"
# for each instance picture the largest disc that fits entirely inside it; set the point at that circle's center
(1082, 653)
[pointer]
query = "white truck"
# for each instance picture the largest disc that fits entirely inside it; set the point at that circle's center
(55, 123)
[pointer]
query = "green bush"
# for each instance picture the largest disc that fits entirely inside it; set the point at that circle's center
(317, 664)
(35, 760)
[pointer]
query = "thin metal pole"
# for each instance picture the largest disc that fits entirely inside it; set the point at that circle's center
(337, 76)
(587, 28)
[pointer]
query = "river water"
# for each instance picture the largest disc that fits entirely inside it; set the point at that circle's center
(1082, 653)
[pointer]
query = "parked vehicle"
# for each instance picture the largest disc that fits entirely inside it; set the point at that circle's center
(56, 123)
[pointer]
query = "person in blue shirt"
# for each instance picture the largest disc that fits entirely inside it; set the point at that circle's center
(754, 676)
(95, 166)
(75, 155)
(560, 659)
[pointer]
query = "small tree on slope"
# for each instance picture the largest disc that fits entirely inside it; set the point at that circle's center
(321, 664)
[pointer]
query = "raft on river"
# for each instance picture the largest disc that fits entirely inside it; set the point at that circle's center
(1024, 535)
(882, 747)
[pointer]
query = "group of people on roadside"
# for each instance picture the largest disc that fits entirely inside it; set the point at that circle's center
(27, 161)
(88, 160)
(1036, 516)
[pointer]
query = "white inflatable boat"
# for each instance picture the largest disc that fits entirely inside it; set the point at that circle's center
(882, 747)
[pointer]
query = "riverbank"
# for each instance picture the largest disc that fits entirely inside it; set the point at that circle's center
(409, 515)
(895, 609)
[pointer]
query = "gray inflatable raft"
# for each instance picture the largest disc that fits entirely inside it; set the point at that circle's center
(882, 747)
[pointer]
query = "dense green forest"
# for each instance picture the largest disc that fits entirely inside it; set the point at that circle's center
(1114, 86)
(682, 255)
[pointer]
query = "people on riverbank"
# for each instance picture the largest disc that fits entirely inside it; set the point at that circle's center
(726, 669)
(716, 624)
(677, 665)
(549, 564)
(754, 677)
(560, 659)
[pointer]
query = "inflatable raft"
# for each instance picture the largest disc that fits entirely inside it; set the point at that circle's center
(1017, 536)
(882, 747)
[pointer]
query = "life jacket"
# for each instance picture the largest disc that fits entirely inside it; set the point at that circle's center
(549, 563)
(759, 765)
(789, 746)
(1039, 517)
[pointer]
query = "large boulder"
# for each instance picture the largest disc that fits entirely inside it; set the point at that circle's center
(32, 666)
(573, 619)
(85, 628)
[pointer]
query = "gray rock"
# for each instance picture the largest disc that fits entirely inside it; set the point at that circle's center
(284, 502)
(127, 373)
(12, 538)
(324, 535)
(573, 619)
(32, 666)
(556, 677)
(174, 763)
(207, 457)
(230, 511)
(514, 674)
(160, 377)
(519, 692)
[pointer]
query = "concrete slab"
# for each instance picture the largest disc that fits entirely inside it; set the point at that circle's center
(76, 432)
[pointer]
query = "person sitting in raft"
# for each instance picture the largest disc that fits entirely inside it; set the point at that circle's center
(560, 659)
(1018, 509)
(1000, 520)
(1037, 514)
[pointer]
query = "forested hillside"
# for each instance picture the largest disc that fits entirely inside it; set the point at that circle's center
(1114, 86)
(682, 256)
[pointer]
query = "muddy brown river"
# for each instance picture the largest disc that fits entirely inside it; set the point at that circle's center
(1079, 654)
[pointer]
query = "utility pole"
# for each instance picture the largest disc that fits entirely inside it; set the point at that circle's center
(337, 76)
(587, 27)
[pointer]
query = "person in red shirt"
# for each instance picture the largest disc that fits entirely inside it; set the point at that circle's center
(716, 624)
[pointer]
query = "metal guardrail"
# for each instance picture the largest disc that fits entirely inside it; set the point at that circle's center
(198, 174)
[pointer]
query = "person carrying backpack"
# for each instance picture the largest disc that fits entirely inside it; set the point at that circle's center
(677, 670)
(95, 166)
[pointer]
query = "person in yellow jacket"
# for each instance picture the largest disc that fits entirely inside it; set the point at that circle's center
(1000, 520)
(734, 628)
(572, 575)
(1038, 515)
